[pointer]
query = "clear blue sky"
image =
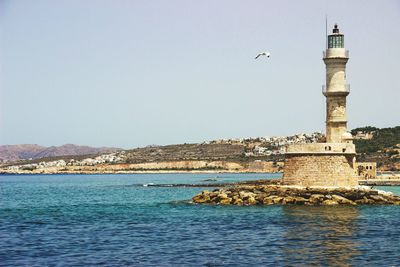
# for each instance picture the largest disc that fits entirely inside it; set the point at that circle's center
(133, 73)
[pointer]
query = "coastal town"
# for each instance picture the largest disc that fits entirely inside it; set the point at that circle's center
(252, 147)
(257, 154)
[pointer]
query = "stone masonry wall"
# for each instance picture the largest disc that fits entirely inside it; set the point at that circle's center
(319, 170)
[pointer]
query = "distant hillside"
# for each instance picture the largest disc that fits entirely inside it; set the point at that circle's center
(372, 144)
(382, 139)
(26, 151)
(17, 152)
(186, 152)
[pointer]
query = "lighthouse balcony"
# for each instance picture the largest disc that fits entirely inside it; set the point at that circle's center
(335, 53)
(336, 91)
(321, 148)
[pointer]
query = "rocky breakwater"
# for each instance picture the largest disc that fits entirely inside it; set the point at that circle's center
(280, 194)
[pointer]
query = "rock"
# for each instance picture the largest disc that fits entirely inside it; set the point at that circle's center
(379, 199)
(260, 196)
(268, 201)
(360, 202)
(222, 195)
(373, 192)
(353, 196)
(300, 200)
(316, 198)
(251, 201)
(244, 195)
(394, 199)
(213, 194)
(266, 189)
(238, 202)
(342, 200)
(288, 200)
(364, 200)
(225, 201)
(277, 200)
(268, 195)
(329, 202)
(201, 198)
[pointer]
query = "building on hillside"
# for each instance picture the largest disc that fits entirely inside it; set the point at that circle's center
(366, 170)
(363, 135)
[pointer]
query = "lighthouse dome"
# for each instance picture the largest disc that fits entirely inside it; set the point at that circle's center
(347, 137)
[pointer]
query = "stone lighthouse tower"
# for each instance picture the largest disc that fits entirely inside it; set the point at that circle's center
(331, 163)
(336, 89)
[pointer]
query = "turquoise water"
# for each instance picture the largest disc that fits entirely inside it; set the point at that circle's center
(88, 220)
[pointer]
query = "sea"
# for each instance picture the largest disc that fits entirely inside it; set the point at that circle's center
(113, 220)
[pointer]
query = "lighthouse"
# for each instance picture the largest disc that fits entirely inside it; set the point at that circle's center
(336, 90)
(333, 162)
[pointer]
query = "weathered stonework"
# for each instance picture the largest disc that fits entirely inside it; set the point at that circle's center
(320, 170)
(321, 148)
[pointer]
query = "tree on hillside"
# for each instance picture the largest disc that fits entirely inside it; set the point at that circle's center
(382, 139)
(366, 129)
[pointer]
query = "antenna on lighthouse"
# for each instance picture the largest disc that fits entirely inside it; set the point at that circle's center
(326, 30)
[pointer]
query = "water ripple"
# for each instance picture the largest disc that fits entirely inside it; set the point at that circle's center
(90, 222)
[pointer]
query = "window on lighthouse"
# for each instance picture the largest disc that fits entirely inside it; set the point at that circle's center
(335, 41)
(340, 41)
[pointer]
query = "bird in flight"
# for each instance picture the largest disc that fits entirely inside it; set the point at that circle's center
(263, 54)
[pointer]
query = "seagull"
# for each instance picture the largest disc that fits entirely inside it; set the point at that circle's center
(263, 54)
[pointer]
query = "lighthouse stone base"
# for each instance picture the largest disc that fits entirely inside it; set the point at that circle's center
(320, 164)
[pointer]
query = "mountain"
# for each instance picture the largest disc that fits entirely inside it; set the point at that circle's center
(16, 152)
(27, 151)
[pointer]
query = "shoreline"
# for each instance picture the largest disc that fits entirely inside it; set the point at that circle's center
(135, 172)
(381, 182)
